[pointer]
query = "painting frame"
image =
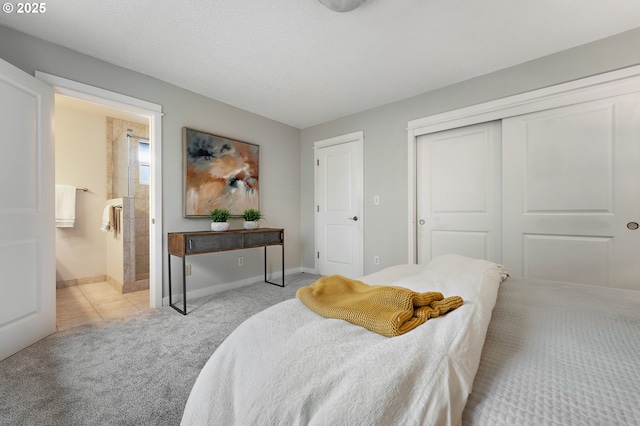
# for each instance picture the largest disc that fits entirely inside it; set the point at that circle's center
(218, 172)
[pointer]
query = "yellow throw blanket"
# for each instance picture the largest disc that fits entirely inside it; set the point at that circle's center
(387, 310)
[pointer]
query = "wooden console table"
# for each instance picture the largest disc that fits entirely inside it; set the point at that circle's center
(183, 244)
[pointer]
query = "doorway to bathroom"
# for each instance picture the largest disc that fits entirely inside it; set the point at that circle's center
(126, 125)
(102, 255)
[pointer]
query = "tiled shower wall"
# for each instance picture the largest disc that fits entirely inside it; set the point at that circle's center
(119, 180)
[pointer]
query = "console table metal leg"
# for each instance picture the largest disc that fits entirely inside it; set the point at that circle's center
(265, 268)
(184, 286)
(169, 266)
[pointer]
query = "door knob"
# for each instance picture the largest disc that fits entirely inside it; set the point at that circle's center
(632, 225)
(355, 218)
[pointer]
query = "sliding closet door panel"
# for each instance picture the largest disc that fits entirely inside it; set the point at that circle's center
(569, 161)
(458, 193)
(571, 184)
(568, 258)
(472, 244)
(459, 173)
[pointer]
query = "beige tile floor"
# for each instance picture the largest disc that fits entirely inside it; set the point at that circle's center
(95, 302)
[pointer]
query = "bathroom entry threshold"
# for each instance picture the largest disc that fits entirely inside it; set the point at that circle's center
(96, 302)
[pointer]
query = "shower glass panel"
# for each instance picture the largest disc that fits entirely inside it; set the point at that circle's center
(131, 164)
(144, 162)
(121, 159)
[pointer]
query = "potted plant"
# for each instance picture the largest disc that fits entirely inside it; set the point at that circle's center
(251, 218)
(219, 219)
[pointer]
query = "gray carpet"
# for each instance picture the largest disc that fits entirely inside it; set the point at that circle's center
(134, 371)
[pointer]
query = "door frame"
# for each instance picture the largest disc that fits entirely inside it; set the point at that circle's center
(153, 112)
(357, 137)
(613, 83)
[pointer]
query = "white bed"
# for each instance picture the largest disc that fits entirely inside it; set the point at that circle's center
(288, 365)
(554, 354)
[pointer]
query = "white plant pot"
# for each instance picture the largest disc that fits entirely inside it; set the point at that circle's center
(251, 224)
(219, 226)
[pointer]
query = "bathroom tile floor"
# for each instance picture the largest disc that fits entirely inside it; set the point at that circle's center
(95, 302)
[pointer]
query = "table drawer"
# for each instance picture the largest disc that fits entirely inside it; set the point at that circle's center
(210, 243)
(263, 238)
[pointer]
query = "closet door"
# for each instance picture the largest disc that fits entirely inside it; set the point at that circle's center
(458, 193)
(571, 191)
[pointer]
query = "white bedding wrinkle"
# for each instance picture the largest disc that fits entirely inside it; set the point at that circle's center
(288, 365)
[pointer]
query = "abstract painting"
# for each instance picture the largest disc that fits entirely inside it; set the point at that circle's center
(218, 173)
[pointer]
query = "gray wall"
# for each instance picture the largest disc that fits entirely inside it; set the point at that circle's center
(279, 150)
(385, 137)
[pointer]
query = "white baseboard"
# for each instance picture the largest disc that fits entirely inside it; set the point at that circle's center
(207, 291)
(310, 271)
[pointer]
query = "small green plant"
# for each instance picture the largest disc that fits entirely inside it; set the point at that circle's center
(220, 215)
(252, 215)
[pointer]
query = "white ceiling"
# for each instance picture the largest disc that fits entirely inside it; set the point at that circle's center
(297, 62)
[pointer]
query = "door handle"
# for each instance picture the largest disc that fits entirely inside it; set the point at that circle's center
(632, 226)
(355, 218)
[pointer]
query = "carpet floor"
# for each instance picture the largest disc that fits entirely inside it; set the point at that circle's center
(137, 370)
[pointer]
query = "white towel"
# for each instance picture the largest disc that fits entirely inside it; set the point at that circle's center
(65, 206)
(106, 214)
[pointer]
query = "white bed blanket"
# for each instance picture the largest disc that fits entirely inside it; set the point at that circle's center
(288, 365)
(559, 354)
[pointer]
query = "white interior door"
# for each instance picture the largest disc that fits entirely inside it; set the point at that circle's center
(339, 206)
(571, 190)
(27, 245)
(458, 193)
